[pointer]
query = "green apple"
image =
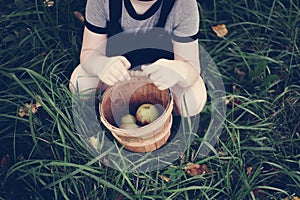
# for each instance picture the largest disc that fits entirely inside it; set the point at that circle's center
(129, 126)
(128, 119)
(147, 113)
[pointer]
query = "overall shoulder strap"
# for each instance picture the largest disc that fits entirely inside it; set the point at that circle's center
(166, 8)
(115, 11)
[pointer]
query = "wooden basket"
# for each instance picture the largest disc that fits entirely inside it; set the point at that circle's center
(126, 97)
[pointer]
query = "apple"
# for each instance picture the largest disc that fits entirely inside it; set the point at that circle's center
(128, 119)
(129, 126)
(147, 113)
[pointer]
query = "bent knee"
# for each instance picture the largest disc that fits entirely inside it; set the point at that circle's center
(83, 84)
(193, 105)
(193, 101)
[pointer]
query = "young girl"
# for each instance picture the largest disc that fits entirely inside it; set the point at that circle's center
(159, 36)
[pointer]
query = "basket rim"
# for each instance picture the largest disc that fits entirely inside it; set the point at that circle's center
(133, 132)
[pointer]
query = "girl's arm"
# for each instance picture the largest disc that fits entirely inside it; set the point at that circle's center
(183, 71)
(94, 61)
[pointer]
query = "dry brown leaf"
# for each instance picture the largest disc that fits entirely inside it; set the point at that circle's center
(220, 30)
(49, 3)
(119, 197)
(165, 178)
(20, 157)
(5, 161)
(22, 112)
(231, 100)
(236, 89)
(249, 170)
(28, 108)
(105, 161)
(258, 192)
(79, 15)
(195, 169)
(43, 53)
(293, 198)
(32, 107)
(239, 72)
(228, 100)
(94, 142)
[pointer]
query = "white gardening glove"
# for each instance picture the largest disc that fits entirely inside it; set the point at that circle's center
(163, 74)
(116, 70)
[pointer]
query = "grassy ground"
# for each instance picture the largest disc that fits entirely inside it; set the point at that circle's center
(257, 156)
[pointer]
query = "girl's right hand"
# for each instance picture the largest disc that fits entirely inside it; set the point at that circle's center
(116, 71)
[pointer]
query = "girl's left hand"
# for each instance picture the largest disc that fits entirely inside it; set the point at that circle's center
(163, 74)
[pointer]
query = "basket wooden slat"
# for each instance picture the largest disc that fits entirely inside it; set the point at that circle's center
(127, 96)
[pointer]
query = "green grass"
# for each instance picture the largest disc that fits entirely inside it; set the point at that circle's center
(40, 47)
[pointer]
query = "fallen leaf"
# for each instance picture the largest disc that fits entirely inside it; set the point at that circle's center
(258, 192)
(239, 72)
(228, 100)
(119, 197)
(79, 15)
(20, 157)
(165, 178)
(195, 169)
(94, 142)
(220, 30)
(43, 53)
(182, 158)
(249, 170)
(231, 100)
(32, 107)
(5, 161)
(28, 108)
(236, 89)
(22, 112)
(48, 3)
(293, 198)
(105, 162)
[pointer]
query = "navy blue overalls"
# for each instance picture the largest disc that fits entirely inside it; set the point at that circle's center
(142, 47)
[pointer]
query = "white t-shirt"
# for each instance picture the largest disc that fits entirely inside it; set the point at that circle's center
(182, 21)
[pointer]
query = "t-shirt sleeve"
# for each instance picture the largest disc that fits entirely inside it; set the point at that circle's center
(96, 16)
(186, 20)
